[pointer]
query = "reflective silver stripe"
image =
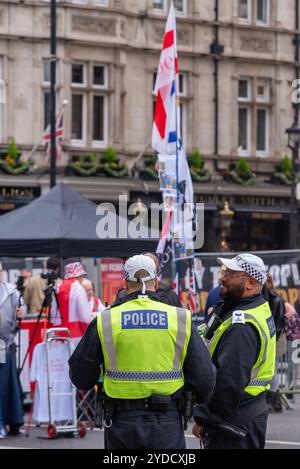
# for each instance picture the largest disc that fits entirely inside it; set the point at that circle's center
(181, 337)
(249, 316)
(144, 375)
(108, 338)
(259, 382)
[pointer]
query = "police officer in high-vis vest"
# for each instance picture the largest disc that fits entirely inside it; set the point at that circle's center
(241, 338)
(149, 351)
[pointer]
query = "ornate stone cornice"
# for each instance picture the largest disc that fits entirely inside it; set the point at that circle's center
(94, 25)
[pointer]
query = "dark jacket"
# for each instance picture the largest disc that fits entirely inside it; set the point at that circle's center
(164, 294)
(199, 373)
(277, 308)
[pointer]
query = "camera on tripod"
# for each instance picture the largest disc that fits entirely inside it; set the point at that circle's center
(51, 277)
(20, 284)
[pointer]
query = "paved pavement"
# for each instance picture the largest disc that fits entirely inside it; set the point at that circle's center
(283, 433)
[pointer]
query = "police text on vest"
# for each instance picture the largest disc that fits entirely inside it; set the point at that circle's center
(144, 319)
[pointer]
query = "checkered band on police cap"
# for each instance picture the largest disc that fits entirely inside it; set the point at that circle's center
(254, 266)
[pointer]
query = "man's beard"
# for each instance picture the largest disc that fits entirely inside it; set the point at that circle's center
(235, 291)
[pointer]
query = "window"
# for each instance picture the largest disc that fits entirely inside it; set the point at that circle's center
(79, 118)
(47, 109)
(262, 7)
(89, 123)
(78, 75)
(180, 6)
(163, 5)
(244, 90)
(261, 131)
(244, 10)
(244, 134)
(100, 105)
(101, 3)
(46, 91)
(2, 98)
(253, 116)
(254, 11)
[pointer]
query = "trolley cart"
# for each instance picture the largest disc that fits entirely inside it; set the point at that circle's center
(70, 428)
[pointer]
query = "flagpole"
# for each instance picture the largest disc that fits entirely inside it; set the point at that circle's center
(53, 95)
(177, 104)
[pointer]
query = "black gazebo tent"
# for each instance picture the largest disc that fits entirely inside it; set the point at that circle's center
(62, 223)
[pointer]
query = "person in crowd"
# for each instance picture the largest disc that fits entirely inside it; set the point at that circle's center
(213, 299)
(11, 309)
(95, 303)
(34, 293)
(158, 353)
(164, 292)
(27, 275)
(74, 311)
(241, 338)
(277, 308)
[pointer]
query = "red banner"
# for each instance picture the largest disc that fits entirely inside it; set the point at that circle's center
(111, 279)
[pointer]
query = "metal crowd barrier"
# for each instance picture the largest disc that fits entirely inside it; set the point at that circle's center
(288, 373)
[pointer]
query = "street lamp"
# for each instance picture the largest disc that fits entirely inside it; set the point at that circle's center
(294, 145)
(226, 215)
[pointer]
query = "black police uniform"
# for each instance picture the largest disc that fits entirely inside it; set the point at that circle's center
(234, 358)
(144, 428)
(164, 294)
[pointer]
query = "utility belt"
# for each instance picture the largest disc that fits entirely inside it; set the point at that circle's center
(250, 411)
(107, 408)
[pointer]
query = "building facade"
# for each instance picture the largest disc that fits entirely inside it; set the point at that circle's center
(236, 60)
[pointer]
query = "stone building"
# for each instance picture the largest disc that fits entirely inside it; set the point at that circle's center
(237, 66)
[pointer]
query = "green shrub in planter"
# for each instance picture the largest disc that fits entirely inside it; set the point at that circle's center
(85, 166)
(197, 169)
(111, 166)
(283, 172)
(240, 173)
(11, 163)
(149, 173)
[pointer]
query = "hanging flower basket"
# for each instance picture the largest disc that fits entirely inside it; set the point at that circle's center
(240, 173)
(283, 173)
(85, 166)
(149, 173)
(11, 163)
(197, 168)
(111, 166)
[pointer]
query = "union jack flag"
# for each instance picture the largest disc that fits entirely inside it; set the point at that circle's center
(59, 134)
(177, 288)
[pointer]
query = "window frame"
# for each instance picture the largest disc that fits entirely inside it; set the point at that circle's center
(182, 13)
(74, 141)
(268, 14)
(101, 143)
(247, 151)
(83, 85)
(249, 13)
(105, 85)
(260, 153)
(242, 99)
(3, 97)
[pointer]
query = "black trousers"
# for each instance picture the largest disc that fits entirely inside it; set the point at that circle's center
(255, 439)
(145, 430)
